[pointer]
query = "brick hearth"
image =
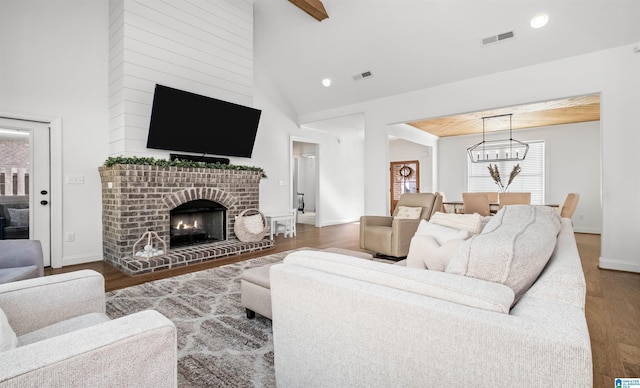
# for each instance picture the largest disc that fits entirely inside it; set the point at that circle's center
(137, 199)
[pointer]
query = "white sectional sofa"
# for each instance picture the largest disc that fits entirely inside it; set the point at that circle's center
(344, 322)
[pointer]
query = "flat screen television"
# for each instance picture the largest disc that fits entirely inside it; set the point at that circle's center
(189, 122)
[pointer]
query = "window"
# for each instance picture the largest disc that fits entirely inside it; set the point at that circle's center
(530, 179)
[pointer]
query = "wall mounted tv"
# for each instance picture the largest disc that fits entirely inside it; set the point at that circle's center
(184, 121)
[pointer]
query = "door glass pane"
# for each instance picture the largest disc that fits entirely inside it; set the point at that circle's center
(14, 184)
(404, 179)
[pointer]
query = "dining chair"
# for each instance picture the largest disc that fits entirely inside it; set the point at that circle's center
(569, 205)
(493, 196)
(514, 199)
(476, 203)
(443, 208)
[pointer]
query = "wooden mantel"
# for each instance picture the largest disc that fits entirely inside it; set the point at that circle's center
(314, 8)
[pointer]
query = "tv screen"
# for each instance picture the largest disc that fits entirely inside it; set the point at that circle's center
(184, 121)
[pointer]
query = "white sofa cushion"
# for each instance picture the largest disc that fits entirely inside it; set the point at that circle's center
(426, 253)
(8, 339)
(63, 327)
(473, 223)
(440, 285)
(513, 248)
(433, 246)
(441, 233)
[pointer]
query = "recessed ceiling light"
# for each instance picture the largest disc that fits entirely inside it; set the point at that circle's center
(539, 20)
(326, 82)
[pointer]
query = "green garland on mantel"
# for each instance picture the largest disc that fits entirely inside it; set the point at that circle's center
(111, 161)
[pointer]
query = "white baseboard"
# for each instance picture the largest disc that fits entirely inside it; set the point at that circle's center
(339, 222)
(588, 230)
(619, 265)
(81, 259)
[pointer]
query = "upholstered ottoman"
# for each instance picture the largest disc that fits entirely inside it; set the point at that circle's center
(255, 289)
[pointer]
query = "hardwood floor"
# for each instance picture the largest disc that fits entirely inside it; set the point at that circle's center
(612, 308)
(613, 316)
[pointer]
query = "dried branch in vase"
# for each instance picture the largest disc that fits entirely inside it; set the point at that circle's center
(495, 175)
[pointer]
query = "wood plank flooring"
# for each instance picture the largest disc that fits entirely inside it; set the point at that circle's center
(613, 316)
(612, 309)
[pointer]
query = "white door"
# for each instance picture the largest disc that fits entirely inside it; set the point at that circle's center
(25, 182)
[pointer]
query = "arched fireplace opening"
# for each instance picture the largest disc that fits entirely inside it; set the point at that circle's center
(197, 222)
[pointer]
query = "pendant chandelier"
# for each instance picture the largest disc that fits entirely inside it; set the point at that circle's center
(491, 151)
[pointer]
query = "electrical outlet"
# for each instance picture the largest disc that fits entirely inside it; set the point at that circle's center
(70, 237)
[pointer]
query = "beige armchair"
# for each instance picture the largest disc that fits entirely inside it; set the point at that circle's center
(56, 334)
(391, 236)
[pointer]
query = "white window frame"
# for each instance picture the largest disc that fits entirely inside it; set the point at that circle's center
(531, 178)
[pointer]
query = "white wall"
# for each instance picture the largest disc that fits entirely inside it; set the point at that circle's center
(615, 73)
(341, 197)
(201, 46)
(54, 64)
(340, 163)
(572, 159)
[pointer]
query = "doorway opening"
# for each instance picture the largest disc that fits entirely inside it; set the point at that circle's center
(305, 181)
(405, 178)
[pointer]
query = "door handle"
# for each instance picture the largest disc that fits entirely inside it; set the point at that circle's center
(43, 202)
(44, 192)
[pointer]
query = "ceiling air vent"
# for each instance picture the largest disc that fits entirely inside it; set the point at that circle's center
(366, 74)
(498, 38)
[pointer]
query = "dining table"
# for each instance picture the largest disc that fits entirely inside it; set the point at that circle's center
(458, 206)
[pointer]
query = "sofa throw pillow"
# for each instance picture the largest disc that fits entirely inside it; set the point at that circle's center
(441, 233)
(19, 217)
(513, 248)
(426, 253)
(472, 223)
(253, 224)
(408, 212)
(8, 338)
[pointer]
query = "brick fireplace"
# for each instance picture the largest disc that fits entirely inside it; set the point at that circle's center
(138, 198)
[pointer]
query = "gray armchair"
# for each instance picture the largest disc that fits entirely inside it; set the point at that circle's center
(14, 219)
(20, 259)
(391, 236)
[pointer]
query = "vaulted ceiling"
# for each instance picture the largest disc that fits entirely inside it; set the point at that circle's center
(414, 44)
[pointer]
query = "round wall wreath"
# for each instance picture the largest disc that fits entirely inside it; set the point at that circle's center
(405, 171)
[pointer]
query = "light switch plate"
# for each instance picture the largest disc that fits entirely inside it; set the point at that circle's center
(75, 179)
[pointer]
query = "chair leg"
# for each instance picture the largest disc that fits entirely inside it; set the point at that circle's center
(250, 314)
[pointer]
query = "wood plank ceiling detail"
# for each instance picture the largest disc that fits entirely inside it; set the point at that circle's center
(542, 114)
(314, 8)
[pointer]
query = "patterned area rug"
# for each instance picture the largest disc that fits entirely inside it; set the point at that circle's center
(217, 345)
